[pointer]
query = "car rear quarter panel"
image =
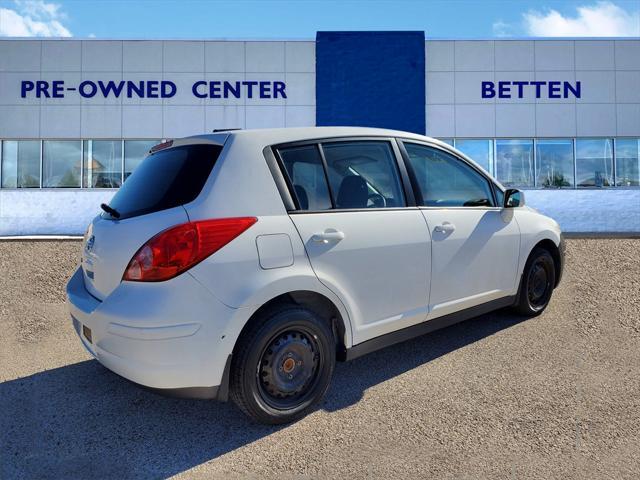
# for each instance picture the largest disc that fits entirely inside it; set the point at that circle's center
(235, 277)
(241, 185)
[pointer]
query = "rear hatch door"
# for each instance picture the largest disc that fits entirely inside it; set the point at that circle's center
(150, 201)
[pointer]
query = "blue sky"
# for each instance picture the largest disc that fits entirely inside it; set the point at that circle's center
(250, 19)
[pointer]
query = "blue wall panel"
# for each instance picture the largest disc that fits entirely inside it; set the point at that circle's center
(371, 79)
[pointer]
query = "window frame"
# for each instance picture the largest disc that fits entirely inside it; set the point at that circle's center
(2, 152)
(285, 185)
(615, 163)
(614, 180)
(84, 165)
(533, 141)
(537, 168)
(458, 156)
(43, 141)
(288, 182)
(82, 141)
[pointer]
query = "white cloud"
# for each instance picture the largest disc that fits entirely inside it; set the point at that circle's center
(602, 19)
(502, 29)
(33, 18)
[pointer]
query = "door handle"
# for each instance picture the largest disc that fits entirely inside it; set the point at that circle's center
(328, 236)
(445, 227)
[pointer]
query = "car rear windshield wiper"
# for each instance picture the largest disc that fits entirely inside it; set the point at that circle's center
(111, 211)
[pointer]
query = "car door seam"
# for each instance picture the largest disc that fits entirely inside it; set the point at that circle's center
(306, 252)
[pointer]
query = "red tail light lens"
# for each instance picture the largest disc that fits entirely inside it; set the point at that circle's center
(179, 248)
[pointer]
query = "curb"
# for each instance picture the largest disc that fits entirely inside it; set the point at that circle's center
(40, 238)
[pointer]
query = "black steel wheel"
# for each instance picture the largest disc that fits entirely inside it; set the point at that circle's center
(537, 283)
(282, 365)
(289, 368)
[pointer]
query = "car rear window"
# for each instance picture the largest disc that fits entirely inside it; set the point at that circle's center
(166, 179)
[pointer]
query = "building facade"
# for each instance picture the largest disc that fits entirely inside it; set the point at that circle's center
(557, 118)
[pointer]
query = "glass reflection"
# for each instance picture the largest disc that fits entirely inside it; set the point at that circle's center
(628, 162)
(594, 162)
(514, 163)
(480, 151)
(134, 152)
(61, 163)
(21, 164)
(102, 163)
(554, 163)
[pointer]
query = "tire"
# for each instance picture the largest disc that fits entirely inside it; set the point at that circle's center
(537, 283)
(282, 365)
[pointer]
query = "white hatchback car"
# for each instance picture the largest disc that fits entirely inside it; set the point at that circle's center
(245, 263)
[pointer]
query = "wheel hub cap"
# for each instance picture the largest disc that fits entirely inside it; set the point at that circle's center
(288, 364)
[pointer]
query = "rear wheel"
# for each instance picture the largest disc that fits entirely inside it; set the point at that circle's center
(537, 283)
(282, 365)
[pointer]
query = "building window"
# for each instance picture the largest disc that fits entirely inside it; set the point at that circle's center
(628, 162)
(61, 163)
(594, 162)
(102, 162)
(514, 163)
(520, 163)
(134, 152)
(20, 164)
(480, 151)
(554, 163)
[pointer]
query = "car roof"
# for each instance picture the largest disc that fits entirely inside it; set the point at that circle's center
(265, 137)
(271, 136)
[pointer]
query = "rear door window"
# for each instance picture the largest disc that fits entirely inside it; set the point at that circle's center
(166, 179)
(363, 174)
(304, 168)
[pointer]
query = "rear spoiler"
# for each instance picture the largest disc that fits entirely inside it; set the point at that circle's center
(161, 146)
(214, 139)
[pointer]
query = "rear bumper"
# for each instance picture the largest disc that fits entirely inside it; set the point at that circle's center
(166, 336)
(217, 392)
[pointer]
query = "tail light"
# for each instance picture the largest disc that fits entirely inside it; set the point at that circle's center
(181, 247)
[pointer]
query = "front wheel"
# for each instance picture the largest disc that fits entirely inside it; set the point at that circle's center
(537, 283)
(282, 365)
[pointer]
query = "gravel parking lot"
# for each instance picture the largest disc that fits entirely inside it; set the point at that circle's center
(553, 397)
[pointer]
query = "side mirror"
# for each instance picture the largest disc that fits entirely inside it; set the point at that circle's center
(513, 198)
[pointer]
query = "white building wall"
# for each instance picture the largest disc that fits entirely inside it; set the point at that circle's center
(610, 106)
(609, 71)
(61, 211)
(182, 62)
